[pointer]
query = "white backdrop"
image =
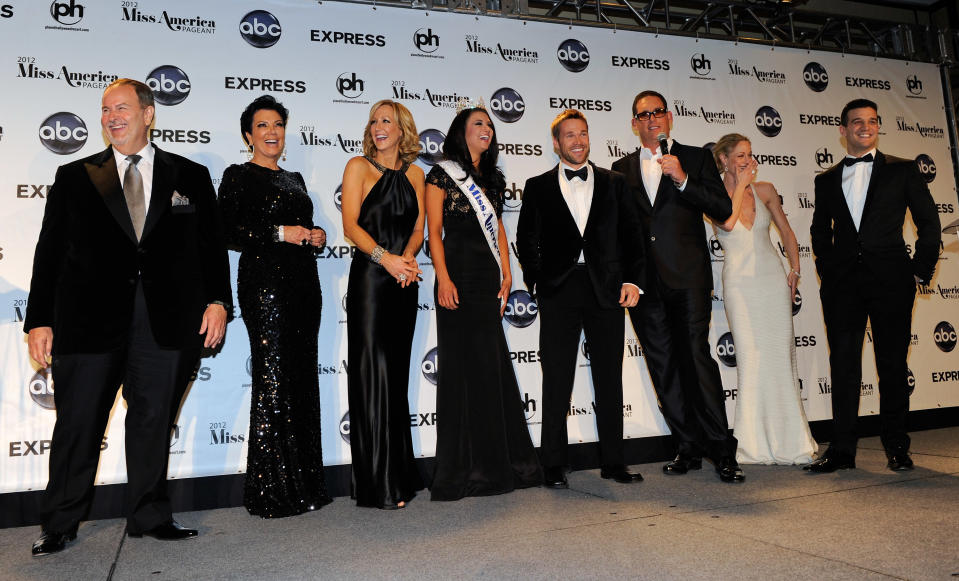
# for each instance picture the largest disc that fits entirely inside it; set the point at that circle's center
(328, 62)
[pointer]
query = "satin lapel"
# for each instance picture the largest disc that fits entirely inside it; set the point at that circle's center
(559, 202)
(164, 179)
(600, 192)
(875, 178)
(636, 168)
(103, 174)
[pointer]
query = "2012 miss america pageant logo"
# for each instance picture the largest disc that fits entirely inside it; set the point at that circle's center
(192, 23)
(27, 68)
(508, 54)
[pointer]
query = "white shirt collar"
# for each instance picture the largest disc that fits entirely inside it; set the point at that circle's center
(146, 155)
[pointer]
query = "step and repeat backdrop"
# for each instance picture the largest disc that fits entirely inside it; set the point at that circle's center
(328, 62)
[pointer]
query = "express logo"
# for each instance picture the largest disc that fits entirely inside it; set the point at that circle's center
(348, 85)
(345, 427)
(425, 41)
(6, 11)
(41, 389)
(507, 105)
(769, 121)
(63, 133)
(428, 366)
(910, 380)
(260, 29)
(914, 85)
(431, 146)
(700, 64)
(726, 350)
(169, 84)
(573, 55)
(945, 336)
(521, 309)
(797, 303)
(338, 197)
(716, 248)
(927, 167)
(824, 159)
(815, 76)
(67, 13)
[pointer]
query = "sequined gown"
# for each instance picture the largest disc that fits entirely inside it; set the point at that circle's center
(280, 301)
(483, 446)
(380, 319)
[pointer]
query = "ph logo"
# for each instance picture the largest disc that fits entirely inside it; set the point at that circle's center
(945, 337)
(513, 196)
(338, 197)
(824, 159)
(425, 41)
(429, 367)
(816, 77)
(63, 133)
(431, 146)
(573, 55)
(726, 350)
(260, 29)
(769, 121)
(67, 13)
(914, 85)
(41, 389)
(169, 84)
(521, 309)
(716, 248)
(797, 303)
(350, 86)
(926, 167)
(700, 64)
(345, 427)
(507, 105)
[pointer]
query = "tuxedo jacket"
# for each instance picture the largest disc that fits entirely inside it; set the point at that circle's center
(549, 242)
(675, 238)
(895, 184)
(88, 261)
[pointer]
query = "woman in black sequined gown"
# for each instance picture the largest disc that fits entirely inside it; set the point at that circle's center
(268, 215)
(483, 446)
(383, 216)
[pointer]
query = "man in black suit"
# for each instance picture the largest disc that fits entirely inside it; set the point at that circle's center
(865, 272)
(130, 278)
(673, 190)
(579, 243)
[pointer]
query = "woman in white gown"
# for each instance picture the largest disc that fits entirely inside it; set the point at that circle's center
(770, 423)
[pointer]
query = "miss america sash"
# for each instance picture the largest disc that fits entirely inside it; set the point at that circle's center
(481, 206)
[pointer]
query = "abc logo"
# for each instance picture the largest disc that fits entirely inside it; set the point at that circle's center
(716, 248)
(797, 303)
(63, 133)
(914, 85)
(169, 84)
(726, 350)
(429, 367)
(521, 309)
(926, 167)
(945, 337)
(41, 389)
(260, 29)
(769, 121)
(507, 105)
(348, 85)
(816, 77)
(431, 146)
(338, 197)
(425, 40)
(824, 159)
(345, 427)
(67, 13)
(910, 380)
(700, 64)
(572, 54)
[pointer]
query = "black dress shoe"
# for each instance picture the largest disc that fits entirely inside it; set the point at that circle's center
(830, 462)
(620, 474)
(729, 470)
(555, 477)
(50, 543)
(168, 531)
(682, 464)
(900, 462)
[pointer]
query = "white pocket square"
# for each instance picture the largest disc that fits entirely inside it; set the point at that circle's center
(178, 200)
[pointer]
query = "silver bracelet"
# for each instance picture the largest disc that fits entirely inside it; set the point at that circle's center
(377, 254)
(796, 272)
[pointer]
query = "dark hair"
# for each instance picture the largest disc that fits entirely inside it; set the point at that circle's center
(643, 95)
(259, 104)
(489, 177)
(144, 93)
(567, 114)
(855, 104)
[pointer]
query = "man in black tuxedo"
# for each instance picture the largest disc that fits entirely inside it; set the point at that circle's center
(579, 243)
(130, 278)
(865, 272)
(673, 190)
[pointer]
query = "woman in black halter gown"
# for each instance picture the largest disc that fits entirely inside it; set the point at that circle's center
(383, 216)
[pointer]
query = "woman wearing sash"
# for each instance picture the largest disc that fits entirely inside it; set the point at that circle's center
(483, 445)
(383, 216)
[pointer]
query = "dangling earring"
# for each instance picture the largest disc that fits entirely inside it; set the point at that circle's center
(725, 168)
(284, 154)
(249, 153)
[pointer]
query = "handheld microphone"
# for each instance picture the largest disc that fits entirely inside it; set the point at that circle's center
(663, 145)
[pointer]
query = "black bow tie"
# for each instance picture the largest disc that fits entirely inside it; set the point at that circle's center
(576, 173)
(854, 160)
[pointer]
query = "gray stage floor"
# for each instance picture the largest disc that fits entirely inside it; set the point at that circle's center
(782, 523)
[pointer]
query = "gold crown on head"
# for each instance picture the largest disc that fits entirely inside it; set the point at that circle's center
(465, 103)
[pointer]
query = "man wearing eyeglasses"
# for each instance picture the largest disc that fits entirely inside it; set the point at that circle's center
(865, 271)
(673, 189)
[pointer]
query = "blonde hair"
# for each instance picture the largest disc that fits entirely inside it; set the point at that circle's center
(409, 145)
(725, 146)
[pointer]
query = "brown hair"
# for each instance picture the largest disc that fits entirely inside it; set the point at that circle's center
(567, 114)
(409, 145)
